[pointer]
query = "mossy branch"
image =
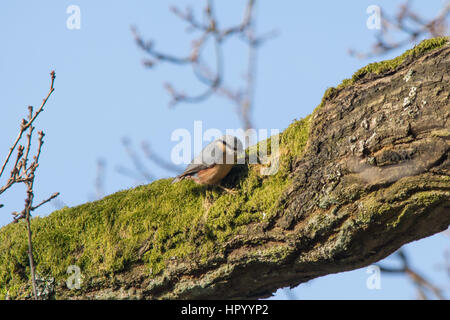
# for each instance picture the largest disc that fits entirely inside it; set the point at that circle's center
(367, 172)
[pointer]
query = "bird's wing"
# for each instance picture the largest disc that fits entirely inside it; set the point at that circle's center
(193, 168)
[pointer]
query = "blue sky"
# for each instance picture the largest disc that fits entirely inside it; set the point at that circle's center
(103, 93)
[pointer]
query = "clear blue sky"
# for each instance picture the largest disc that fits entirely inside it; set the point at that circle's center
(103, 93)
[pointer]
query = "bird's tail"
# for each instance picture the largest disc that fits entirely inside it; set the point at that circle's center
(176, 179)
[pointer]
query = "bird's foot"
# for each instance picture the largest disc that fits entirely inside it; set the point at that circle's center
(230, 191)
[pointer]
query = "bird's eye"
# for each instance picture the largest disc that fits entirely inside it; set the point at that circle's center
(224, 143)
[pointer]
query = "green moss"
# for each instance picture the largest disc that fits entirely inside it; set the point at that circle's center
(178, 220)
(294, 138)
(385, 66)
(425, 199)
(374, 208)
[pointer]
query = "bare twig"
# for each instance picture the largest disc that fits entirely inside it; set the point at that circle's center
(53, 196)
(26, 124)
(155, 158)
(136, 161)
(210, 30)
(22, 173)
(419, 281)
(141, 171)
(408, 23)
(128, 173)
(100, 179)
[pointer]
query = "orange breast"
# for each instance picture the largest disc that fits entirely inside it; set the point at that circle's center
(214, 174)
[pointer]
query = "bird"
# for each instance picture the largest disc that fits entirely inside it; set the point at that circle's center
(214, 162)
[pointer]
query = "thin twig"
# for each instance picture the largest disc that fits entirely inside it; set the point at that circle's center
(155, 158)
(53, 196)
(419, 281)
(136, 160)
(22, 173)
(242, 98)
(408, 23)
(26, 124)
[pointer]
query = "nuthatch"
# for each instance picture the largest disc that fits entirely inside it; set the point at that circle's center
(214, 162)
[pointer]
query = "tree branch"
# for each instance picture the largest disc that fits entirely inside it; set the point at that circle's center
(366, 173)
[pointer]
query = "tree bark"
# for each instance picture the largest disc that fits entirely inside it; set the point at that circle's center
(375, 175)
